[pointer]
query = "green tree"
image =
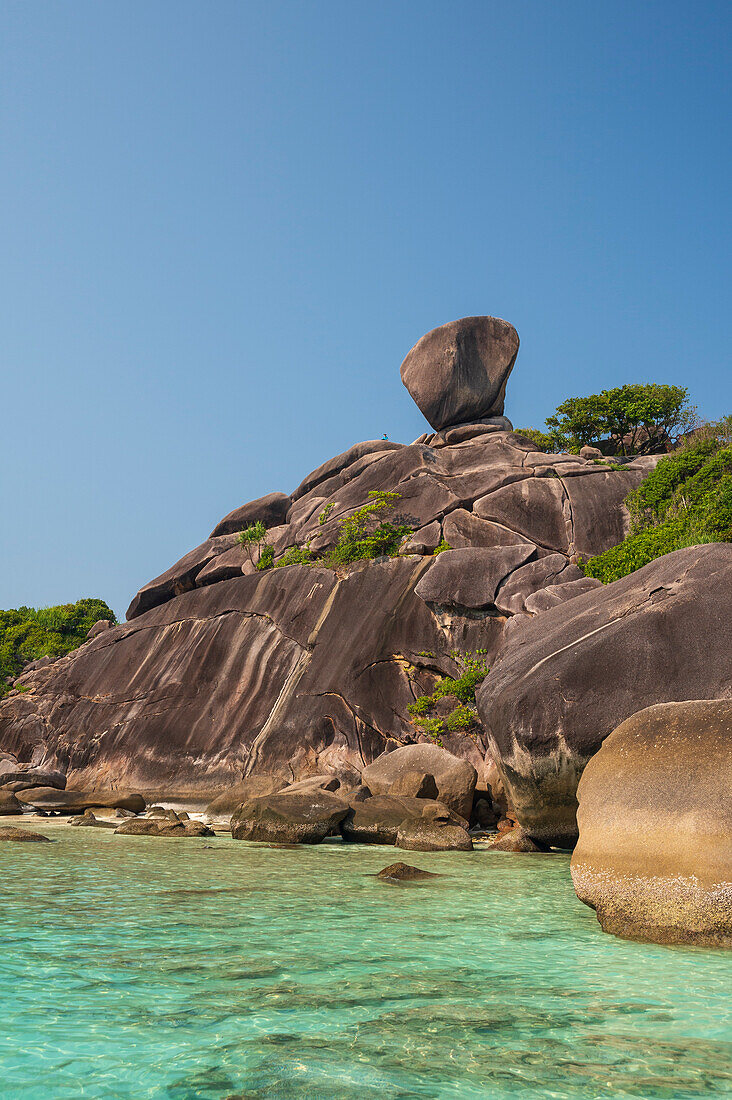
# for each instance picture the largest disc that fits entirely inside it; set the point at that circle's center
(631, 419)
(27, 633)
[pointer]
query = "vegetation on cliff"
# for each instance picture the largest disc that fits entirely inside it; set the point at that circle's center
(685, 501)
(27, 633)
(360, 537)
(633, 419)
(454, 697)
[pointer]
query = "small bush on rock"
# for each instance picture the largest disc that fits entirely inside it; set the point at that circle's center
(463, 717)
(685, 501)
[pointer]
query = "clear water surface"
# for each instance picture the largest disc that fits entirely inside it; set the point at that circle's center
(138, 967)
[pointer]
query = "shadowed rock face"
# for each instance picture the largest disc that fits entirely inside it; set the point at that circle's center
(220, 676)
(457, 373)
(654, 857)
(570, 675)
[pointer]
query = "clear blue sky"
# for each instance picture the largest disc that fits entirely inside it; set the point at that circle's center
(224, 225)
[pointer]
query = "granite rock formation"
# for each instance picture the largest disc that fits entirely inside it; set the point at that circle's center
(568, 676)
(223, 674)
(457, 373)
(654, 857)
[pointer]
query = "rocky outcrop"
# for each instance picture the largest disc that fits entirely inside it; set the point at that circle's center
(516, 840)
(457, 373)
(256, 786)
(9, 804)
(379, 819)
(569, 676)
(654, 858)
(50, 799)
(223, 673)
(404, 872)
(454, 779)
(138, 826)
(293, 818)
(23, 836)
(271, 510)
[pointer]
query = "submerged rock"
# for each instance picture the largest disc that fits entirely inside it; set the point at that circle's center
(147, 826)
(516, 840)
(654, 857)
(404, 872)
(11, 832)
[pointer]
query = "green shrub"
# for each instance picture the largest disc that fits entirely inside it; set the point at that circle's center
(296, 555)
(359, 539)
(27, 633)
(441, 547)
(254, 540)
(685, 501)
(464, 716)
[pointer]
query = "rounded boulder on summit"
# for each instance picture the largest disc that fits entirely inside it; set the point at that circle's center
(457, 373)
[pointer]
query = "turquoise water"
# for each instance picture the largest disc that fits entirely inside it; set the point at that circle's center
(137, 967)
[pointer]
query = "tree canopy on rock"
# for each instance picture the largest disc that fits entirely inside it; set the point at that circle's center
(27, 633)
(633, 419)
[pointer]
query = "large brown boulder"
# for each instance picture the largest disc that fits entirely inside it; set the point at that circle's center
(455, 779)
(569, 676)
(470, 577)
(457, 373)
(433, 836)
(139, 826)
(654, 858)
(378, 820)
(294, 818)
(74, 802)
(256, 786)
(24, 779)
(9, 804)
(271, 510)
(10, 832)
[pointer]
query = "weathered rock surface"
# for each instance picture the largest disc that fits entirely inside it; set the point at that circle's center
(256, 786)
(141, 826)
(654, 857)
(378, 820)
(74, 802)
(458, 372)
(220, 676)
(516, 840)
(24, 779)
(433, 836)
(271, 510)
(454, 779)
(569, 676)
(289, 818)
(23, 836)
(9, 804)
(469, 578)
(404, 872)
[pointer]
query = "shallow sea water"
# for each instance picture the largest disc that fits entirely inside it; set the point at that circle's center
(137, 967)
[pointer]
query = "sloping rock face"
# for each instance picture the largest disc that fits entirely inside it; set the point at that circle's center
(570, 675)
(223, 673)
(300, 671)
(654, 857)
